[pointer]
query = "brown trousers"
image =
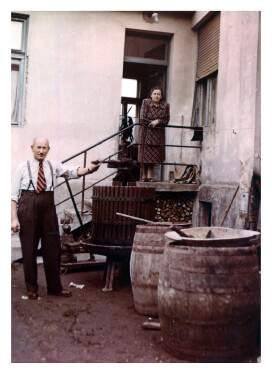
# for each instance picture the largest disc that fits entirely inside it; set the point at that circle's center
(38, 220)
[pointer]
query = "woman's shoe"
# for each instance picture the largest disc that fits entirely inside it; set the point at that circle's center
(150, 180)
(144, 179)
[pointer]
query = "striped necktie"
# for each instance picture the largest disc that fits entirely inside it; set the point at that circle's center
(41, 182)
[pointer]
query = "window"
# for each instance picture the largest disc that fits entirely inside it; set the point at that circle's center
(146, 46)
(129, 104)
(129, 92)
(19, 30)
(129, 87)
(204, 107)
(205, 101)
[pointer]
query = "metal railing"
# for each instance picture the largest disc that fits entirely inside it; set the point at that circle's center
(84, 153)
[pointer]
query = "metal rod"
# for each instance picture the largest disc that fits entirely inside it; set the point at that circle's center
(74, 203)
(177, 163)
(120, 132)
(170, 224)
(83, 184)
(171, 145)
(144, 220)
(104, 162)
(178, 127)
(228, 208)
(86, 188)
(185, 127)
(180, 232)
(161, 163)
(182, 146)
(136, 218)
(98, 143)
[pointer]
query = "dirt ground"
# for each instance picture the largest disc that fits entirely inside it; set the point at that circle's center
(89, 327)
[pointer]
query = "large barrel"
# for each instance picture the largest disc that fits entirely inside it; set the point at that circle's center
(108, 228)
(209, 295)
(146, 257)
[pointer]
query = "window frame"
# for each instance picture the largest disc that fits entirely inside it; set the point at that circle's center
(21, 56)
(126, 101)
(149, 35)
(205, 97)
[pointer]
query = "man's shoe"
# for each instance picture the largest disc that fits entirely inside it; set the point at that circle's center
(33, 295)
(63, 293)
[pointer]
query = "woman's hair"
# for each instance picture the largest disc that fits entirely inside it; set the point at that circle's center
(156, 88)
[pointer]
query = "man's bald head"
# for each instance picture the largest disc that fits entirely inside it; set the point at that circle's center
(40, 139)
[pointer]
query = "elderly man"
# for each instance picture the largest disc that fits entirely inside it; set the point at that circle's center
(35, 219)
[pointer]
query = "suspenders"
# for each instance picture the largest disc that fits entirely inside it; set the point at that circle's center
(30, 176)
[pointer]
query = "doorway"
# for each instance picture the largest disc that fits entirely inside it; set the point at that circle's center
(145, 61)
(145, 65)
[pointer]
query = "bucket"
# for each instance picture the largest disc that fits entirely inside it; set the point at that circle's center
(209, 295)
(146, 256)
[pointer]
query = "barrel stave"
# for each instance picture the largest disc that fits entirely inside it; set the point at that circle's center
(209, 302)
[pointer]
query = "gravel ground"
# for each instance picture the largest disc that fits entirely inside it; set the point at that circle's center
(89, 327)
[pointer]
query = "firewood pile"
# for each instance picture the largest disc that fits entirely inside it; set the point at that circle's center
(174, 209)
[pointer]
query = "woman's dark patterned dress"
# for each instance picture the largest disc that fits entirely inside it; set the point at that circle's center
(152, 140)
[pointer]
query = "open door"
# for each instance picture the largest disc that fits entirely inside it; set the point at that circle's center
(145, 62)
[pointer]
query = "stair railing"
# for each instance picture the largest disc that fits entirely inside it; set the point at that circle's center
(85, 151)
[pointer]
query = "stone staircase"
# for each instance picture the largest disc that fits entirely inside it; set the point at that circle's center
(70, 215)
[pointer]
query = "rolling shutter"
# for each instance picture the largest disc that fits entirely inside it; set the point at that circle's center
(208, 47)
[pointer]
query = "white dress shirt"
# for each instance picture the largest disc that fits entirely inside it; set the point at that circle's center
(20, 180)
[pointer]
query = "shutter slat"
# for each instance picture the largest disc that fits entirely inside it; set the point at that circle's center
(208, 48)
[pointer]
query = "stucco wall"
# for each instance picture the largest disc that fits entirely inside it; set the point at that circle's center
(73, 90)
(228, 149)
(74, 76)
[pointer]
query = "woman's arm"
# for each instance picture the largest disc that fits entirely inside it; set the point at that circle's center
(143, 113)
(166, 116)
(163, 121)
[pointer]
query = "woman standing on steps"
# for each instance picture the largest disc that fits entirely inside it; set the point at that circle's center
(154, 116)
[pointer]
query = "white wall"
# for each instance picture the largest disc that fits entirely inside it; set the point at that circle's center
(228, 149)
(229, 146)
(74, 75)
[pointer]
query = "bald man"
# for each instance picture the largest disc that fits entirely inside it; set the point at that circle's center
(33, 214)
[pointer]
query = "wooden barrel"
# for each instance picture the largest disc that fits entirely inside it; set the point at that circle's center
(146, 257)
(110, 229)
(209, 295)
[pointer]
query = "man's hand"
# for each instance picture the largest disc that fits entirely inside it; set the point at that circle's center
(94, 165)
(15, 225)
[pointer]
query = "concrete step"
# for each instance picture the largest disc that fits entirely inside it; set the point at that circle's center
(88, 204)
(70, 214)
(16, 252)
